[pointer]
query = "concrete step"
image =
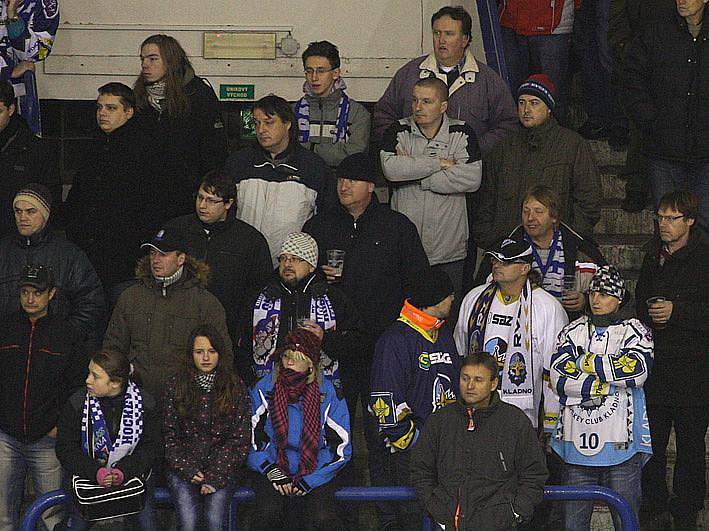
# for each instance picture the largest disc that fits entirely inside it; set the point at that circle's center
(625, 251)
(612, 183)
(604, 155)
(614, 220)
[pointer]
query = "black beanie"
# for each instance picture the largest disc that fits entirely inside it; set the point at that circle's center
(357, 167)
(432, 286)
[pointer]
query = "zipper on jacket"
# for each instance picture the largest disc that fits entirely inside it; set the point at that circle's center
(458, 516)
(25, 393)
(502, 460)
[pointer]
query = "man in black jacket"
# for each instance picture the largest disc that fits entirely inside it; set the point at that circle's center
(666, 89)
(23, 157)
(478, 464)
(111, 207)
(236, 253)
(671, 297)
(43, 363)
(298, 296)
(80, 299)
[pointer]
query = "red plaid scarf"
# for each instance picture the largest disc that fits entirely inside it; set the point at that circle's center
(289, 387)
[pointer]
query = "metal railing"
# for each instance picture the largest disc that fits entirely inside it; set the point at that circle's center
(364, 494)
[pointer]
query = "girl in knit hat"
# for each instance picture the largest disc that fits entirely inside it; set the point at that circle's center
(207, 431)
(301, 439)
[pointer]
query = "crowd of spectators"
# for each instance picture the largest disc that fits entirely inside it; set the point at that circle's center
(204, 320)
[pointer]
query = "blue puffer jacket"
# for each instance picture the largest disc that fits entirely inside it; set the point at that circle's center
(335, 445)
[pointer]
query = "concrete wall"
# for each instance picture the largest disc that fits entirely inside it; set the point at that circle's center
(98, 41)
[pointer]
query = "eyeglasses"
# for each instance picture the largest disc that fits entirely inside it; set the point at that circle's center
(668, 219)
(208, 200)
(283, 259)
(319, 71)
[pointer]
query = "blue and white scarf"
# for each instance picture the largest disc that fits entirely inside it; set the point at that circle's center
(302, 114)
(267, 321)
(553, 270)
(129, 433)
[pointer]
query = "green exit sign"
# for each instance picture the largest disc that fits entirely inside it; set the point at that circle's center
(236, 92)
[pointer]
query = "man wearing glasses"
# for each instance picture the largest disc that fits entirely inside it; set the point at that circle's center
(330, 123)
(671, 298)
(236, 253)
(298, 296)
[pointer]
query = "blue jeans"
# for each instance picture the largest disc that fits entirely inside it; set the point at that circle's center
(16, 458)
(191, 506)
(546, 54)
(667, 176)
(623, 478)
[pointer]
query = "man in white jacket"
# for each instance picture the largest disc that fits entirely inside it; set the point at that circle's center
(517, 322)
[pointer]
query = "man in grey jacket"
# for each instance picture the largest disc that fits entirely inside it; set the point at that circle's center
(433, 161)
(330, 123)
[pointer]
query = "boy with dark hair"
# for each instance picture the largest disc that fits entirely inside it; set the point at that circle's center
(279, 184)
(330, 123)
(114, 204)
(236, 253)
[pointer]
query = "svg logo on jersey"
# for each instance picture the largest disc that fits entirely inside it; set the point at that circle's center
(427, 359)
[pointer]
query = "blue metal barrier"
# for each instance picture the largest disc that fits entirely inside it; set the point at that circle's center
(364, 494)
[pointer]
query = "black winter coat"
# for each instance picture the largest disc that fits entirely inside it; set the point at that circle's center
(238, 258)
(488, 474)
(111, 207)
(43, 363)
(383, 252)
(79, 299)
(344, 343)
(666, 88)
(188, 146)
(680, 374)
(23, 159)
(69, 447)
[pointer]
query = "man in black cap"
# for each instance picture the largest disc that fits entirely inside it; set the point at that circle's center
(517, 322)
(43, 363)
(80, 298)
(152, 320)
(415, 372)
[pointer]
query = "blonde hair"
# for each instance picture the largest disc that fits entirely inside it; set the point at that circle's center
(298, 356)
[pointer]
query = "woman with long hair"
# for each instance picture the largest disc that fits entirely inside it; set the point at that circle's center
(181, 113)
(301, 440)
(109, 433)
(207, 431)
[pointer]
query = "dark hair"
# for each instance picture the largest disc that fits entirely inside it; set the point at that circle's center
(177, 64)
(682, 201)
(434, 83)
(323, 49)
(7, 93)
(219, 183)
(124, 92)
(225, 389)
(115, 363)
(273, 105)
(547, 197)
(456, 13)
(485, 359)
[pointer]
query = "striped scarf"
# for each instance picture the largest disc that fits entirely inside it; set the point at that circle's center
(302, 114)
(289, 387)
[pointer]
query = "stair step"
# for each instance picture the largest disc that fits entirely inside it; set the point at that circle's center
(605, 155)
(612, 183)
(615, 220)
(625, 251)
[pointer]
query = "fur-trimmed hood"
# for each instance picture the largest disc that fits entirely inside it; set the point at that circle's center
(194, 269)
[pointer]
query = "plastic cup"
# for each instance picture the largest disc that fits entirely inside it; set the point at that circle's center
(336, 260)
(568, 284)
(650, 302)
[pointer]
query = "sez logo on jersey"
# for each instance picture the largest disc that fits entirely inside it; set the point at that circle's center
(427, 359)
